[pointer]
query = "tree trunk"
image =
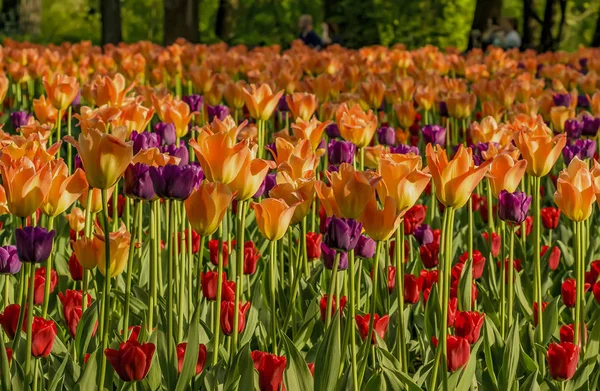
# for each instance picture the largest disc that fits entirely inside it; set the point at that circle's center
(547, 40)
(181, 20)
(30, 17)
(226, 19)
(596, 38)
(9, 17)
(561, 24)
(111, 21)
(527, 38)
(484, 11)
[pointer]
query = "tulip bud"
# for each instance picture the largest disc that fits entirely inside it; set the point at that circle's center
(34, 244)
(513, 207)
(9, 260)
(562, 360)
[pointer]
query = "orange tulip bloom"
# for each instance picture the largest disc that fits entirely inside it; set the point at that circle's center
(559, 115)
(299, 192)
(177, 112)
(3, 87)
(61, 90)
(36, 130)
(380, 224)
(44, 111)
(273, 217)
(65, 189)
(96, 205)
(373, 155)
(110, 91)
(134, 116)
(371, 94)
(250, 177)
(310, 130)
(425, 97)
(206, 207)
(220, 159)
(86, 250)
(575, 191)
(351, 190)
(327, 199)
(461, 105)
(153, 157)
(506, 173)
(104, 156)
(234, 94)
(26, 188)
(302, 105)
(3, 202)
(119, 250)
(355, 125)
(261, 102)
(405, 113)
(402, 179)
(100, 118)
(539, 148)
(299, 160)
(76, 219)
(456, 179)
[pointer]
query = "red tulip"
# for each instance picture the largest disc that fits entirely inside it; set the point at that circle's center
(478, 262)
(39, 284)
(323, 306)
(528, 226)
(458, 352)
(75, 268)
(213, 247)
(201, 357)
(311, 368)
(562, 360)
(9, 355)
(120, 205)
(134, 332)
(568, 291)
(516, 266)
(550, 217)
(251, 257)
(430, 254)
(9, 319)
(132, 361)
(592, 276)
(380, 326)
(270, 370)
(313, 245)
(452, 307)
(567, 333)
(72, 309)
(535, 311)
(495, 244)
(468, 325)
(392, 251)
(411, 289)
(595, 290)
(478, 201)
(554, 258)
(413, 218)
(42, 337)
(391, 280)
(209, 281)
(195, 241)
(227, 313)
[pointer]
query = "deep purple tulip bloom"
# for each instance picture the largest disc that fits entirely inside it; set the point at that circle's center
(9, 260)
(562, 99)
(265, 187)
(219, 111)
(79, 162)
(583, 101)
(19, 118)
(478, 150)
(434, 134)
(386, 135)
(282, 105)
(590, 125)
(199, 174)
(404, 149)
(587, 148)
(332, 131)
(329, 255)
(333, 168)
(341, 152)
(174, 182)
(181, 152)
(423, 234)
(194, 101)
(144, 140)
(573, 129)
(342, 234)
(34, 244)
(166, 133)
(137, 182)
(365, 248)
(443, 109)
(513, 207)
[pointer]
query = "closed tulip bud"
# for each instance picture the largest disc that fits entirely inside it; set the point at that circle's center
(513, 207)
(273, 217)
(333, 131)
(220, 158)
(119, 248)
(137, 182)
(194, 102)
(458, 354)
(412, 289)
(380, 326)
(352, 190)
(19, 118)
(181, 349)
(413, 218)
(590, 125)
(209, 283)
(573, 128)
(251, 257)
(342, 234)
(34, 244)
(468, 325)
(206, 207)
(174, 182)
(213, 247)
(42, 337)
(227, 315)
(355, 125)
(72, 308)
(75, 268)
(302, 105)
(313, 245)
(261, 102)
(341, 152)
(567, 333)
(9, 260)
(86, 251)
(494, 243)
(61, 90)
(9, 319)
(270, 370)
(329, 256)
(506, 173)
(386, 135)
(535, 311)
(478, 262)
(562, 360)
(132, 360)
(430, 254)
(380, 224)
(40, 282)
(323, 306)
(166, 133)
(144, 140)
(365, 247)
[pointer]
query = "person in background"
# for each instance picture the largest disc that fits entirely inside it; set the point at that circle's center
(307, 34)
(510, 38)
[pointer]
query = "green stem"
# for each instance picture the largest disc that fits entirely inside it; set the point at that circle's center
(332, 284)
(69, 146)
(401, 338)
(58, 131)
(216, 326)
(170, 272)
(199, 270)
(350, 325)
(272, 282)
(107, 285)
(239, 269)
(536, 254)
(511, 272)
(137, 212)
(48, 275)
(153, 264)
(181, 257)
(503, 283)
(28, 373)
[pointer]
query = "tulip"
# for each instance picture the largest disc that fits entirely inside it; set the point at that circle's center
(573, 128)
(539, 149)
(9, 319)
(412, 289)
(365, 247)
(380, 326)
(43, 335)
(403, 149)
(302, 105)
(270, 370)
(590, 125)
(251, 176)
(329, 255)
(44, 111)
(119, 249)
(144, 140)
(434, 134)
(351, 190)
(323, 306)
(166, 133)
(19, 119)
(355, 125)
(342, 234)
(75, 268)
(86, 251)
(310, 130)
(40, 282)
(341, 152)
(380, 224)
(562, 360)
(468, 325)
(9, 260)
(575, 192)
(209, 281)
(458, 354)
(26, 186)
(72, 308)
(132, 360)
(494, 243)
(181, 348)
(386, 135)
(220, 159)
(535, 311)
(213, 248)
(251, 257)
(430, 254)
(513, 207)
(180, 153)
(110, 91)
(333, 131)
(227, 315)
(261, 102)
(61, 90)
(402, 180)
(567, 333)
(34, 244)
(206, 207)
(456, 179)
(554, 258)
(505, 173)
(137, 182)
(273, 217)
(134, 117)
(194, 102)
(423, 234)
(65, 189)
(413, 218)
(174, 182)
(313, 245)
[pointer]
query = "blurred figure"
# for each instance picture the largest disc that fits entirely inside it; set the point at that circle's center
(331, 34)
(510, 37)
(307, 34)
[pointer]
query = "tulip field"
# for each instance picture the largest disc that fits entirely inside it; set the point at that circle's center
(199, 217)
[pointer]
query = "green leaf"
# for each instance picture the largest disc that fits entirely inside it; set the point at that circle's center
(487, 351)
(465, 288)
(390, 366)
(188, 371)
(4, 364)
(550, 319)
(375, 383)
(167, 359)
(530, 383)
(593, 343)
(88, 379)
(297, 375)
(582, 374)
(526, 308)
(241, 371)
(85, 329)
(468, 374)
(57, 376)
(327, 365)
(512, 349)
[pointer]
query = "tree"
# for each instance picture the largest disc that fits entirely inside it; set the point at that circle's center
(226, 19)
(181, 20)
(111, 21)
(596, 39)
(30, 17)
(547, 40)
(485, 10)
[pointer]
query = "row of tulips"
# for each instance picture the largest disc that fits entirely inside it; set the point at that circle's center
(320, 215)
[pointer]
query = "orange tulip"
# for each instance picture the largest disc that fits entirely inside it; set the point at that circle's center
(539, 148)
(299, 160)
(3, 87)
(461, 105)
(61, 90)
(134, 116)
(327, 199)
(96, 205)
(302, 105)
(3, 202)
(76, 219)
(402, 179)
(405, 113)
(273, 217)
(234, 94)
(220, 159)
(371, 94)
(110, 91)
(506, 173)
(36, 130)
(119, 249)
(250, 177)
(355, 125)
(299, 192)
(351, 190)
(261, 102)
(425, 97)
(104, 156)
(456, 179)
(575, 191)
(380, 224)
(86, 250)
(559, 115)
(100, 118)
(153, 157)
(373, 156)
(177, 112)
(310, 130)
(44, 111)
(206, 207)
(65, 189)
(26, 188)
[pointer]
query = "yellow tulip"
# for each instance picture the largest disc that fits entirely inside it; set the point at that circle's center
(76, 219)
(96, 205)
(352, 190)
(86, 250)
(273, 217)
(65, 189)
(575, 191)
(559, 115)
(380, 224)
(506, 173)
(119, 250)
(402, 179)
(26, 188)
(539, 148)
(206, 207)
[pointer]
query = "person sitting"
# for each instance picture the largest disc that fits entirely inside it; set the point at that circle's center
(307, 34)
(511, 38)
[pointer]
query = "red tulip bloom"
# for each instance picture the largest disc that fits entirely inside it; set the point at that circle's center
(477, 201)
(313, 245)
(430, 254)
(251, 257)
(134, 332)
(478, 262)
(201, 357)
(72, 309)
(595, 290)
(392, 251)
(535, 311)
(550, 217)
(213, 247)
(9, 355)
(270, 370)
(195, 241)
(567, 333)
(568, 291)
(553, 258)
(528, 226)
(452, 307)
(562, 360)
(39, 284)
(468, 325)
(311, 368)
(9, 319)
(592, 276)
(132, 361)
(380, 326)
(75, 268)
(323, 306)
(227, 313)
(42, 337)
(414, 217)
(411, 289)
(209, 281)
(495, 243)
(458, 352)
(391, 278)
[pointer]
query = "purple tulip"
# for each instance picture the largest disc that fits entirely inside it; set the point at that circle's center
(137, 182)
(590, 125)
(365, 248)
(9, 260)
(423, 234)
(404, 149)
(386, 135)
(582, 148)
(166, 133)
(332, 131)
(77, 100)
(265, 187)
(181, 152)
(19, 118)
(333, 168)
(174, 182)
(329, 255)
(219, 111)
(199, 174)
(513, 207)
(79, 162)
(282, 105)
(573, 128)
(144, 140)
(443, 109)
(562, 99)
(34, 244)
(194, 101)
(342, 234)
(478, 150)
(341, 152)
(583, 101)
(434, 134)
